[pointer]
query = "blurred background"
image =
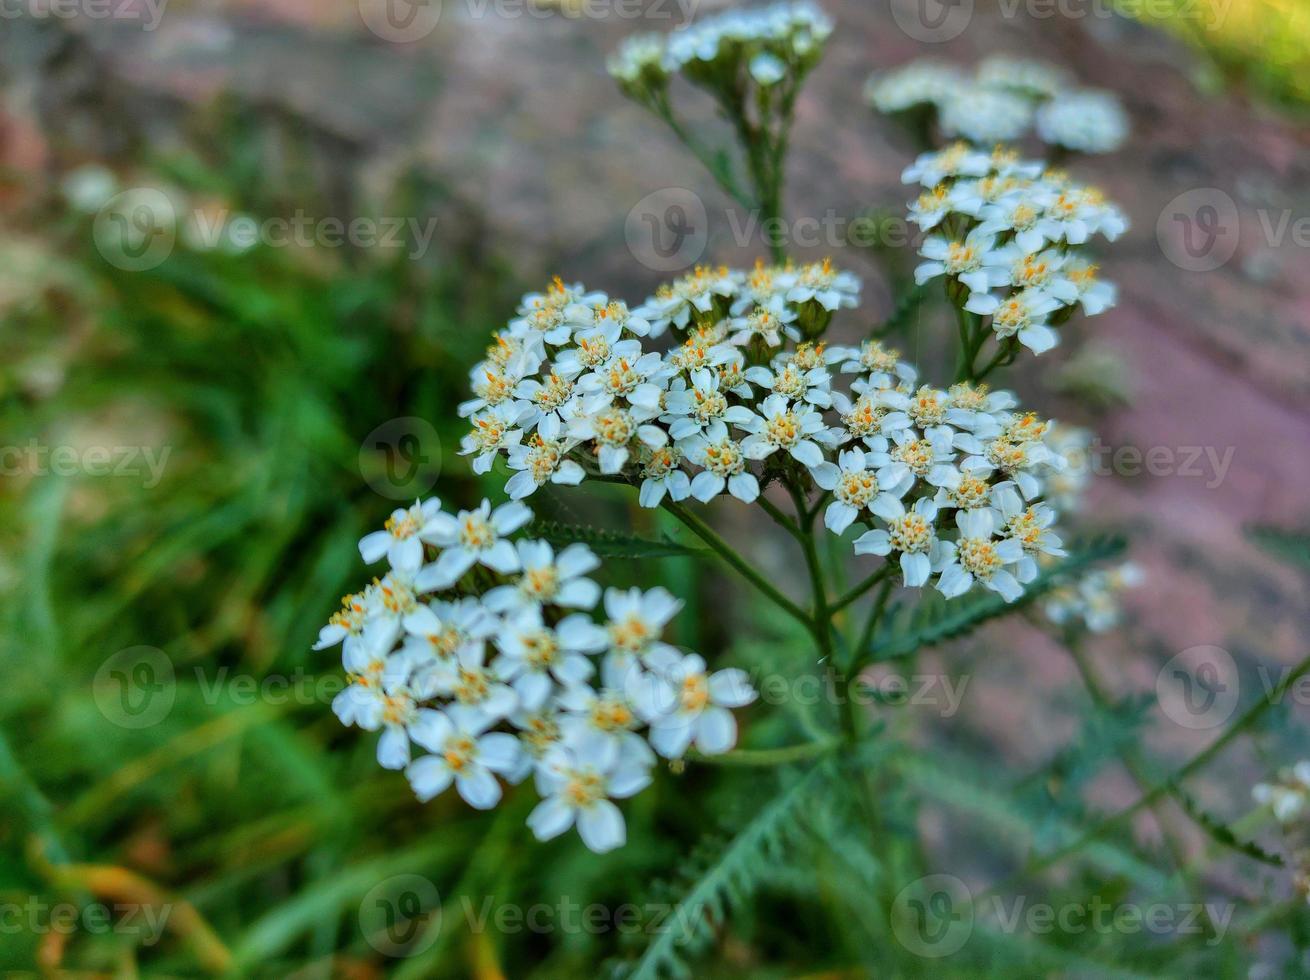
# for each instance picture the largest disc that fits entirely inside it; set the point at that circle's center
(199, 424)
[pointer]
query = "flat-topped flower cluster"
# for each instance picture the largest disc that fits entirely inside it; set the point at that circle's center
(482, 651)
(1288, 797)
(771, 42)
(948, 482)
(1006, 232)
(1002, 101)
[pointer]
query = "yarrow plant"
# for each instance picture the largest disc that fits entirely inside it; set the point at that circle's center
(487, 657)
(1002, 101)
(476, 656)
(1287, 800)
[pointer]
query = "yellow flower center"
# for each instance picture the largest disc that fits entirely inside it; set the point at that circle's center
(540, 649)
(543, 459)
(724, 459)
(927, 407)
(621, 379)
(611, 715)
(978, 555)
(790, 382)
(961, 257)
(476, 532)
(459, 752)
(614, 427)
(917, 455)
(910, 533)
(488, 432)
(784, 429)
(494, 388)
(695, 694)
(864, 418)
(584, 789)
(1032, 271)
(472, 686)
(708, 404)
(542, 582)
(856, 489)
(630, 634)
(970, 494)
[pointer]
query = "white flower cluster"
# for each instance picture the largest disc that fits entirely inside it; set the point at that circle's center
(771, 42)
(483, 652)
(1093, 599)
(1005, 230)
(1002, 101)
(1065, 489)
(1289, 796)
(949, 481)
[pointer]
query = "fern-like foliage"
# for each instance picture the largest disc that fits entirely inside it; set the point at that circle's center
(930, 623)
(609, 544)
(1292, 547)
(729, 876)
(1221, 833)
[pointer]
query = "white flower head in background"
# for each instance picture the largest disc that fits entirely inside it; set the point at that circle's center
(1086, 121)
(1002, 101)
(1288, 798)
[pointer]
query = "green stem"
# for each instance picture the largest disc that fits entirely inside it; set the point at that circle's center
(871, 624)
(963, 363)
(771, 757)
(862, 588)
(1199, 761)
(822, 617)
(738, 563)
(1130, 759)
(715, 164)
(1003, 356)
(780, 518)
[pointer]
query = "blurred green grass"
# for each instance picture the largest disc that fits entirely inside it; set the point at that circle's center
(260, 374)
(1263, 45)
